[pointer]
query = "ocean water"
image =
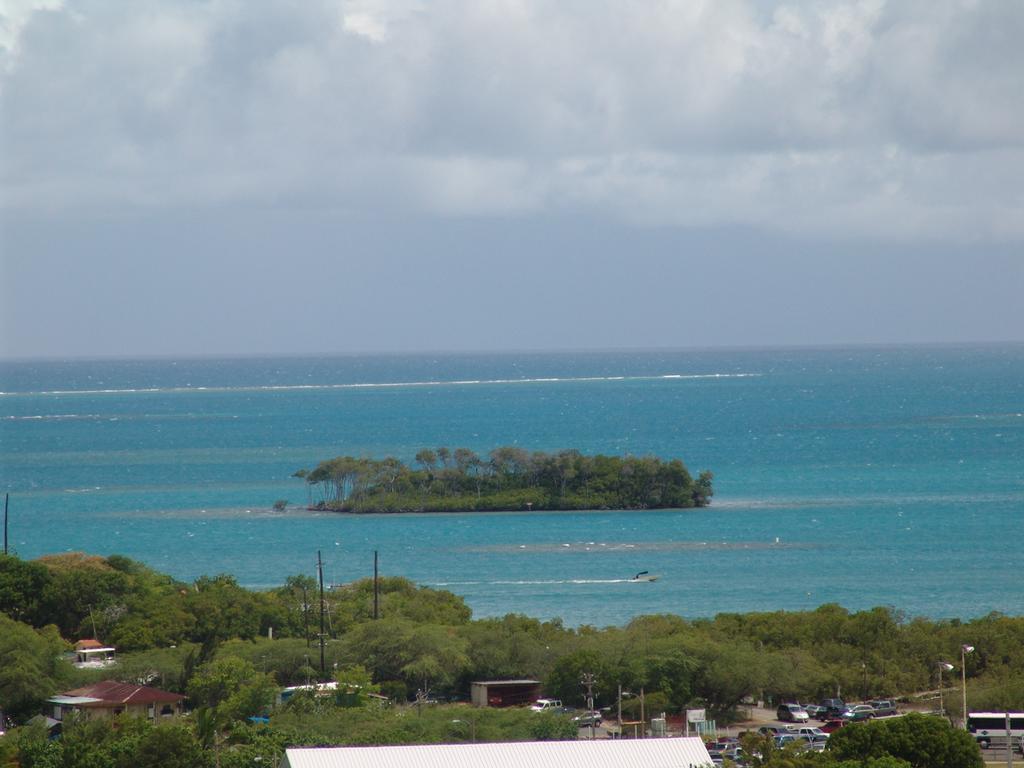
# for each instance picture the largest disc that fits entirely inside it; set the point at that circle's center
(865, 476)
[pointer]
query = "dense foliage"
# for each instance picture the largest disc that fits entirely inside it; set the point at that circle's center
(913, 741)
(509, 479)
(209, 639)
(919, 740)
(30, 667)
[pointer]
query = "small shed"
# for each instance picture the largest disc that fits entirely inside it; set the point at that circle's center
(504, 693)
(642, 753)
(91, 653)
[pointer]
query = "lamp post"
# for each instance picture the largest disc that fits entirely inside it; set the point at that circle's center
(964, 650)
(944, 666)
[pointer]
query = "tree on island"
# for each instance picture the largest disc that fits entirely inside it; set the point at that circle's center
(511, 478)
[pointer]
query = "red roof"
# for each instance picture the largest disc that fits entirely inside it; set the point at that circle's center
(113, 693)
(88, 643)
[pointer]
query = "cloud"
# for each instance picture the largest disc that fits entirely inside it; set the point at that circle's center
(14, 14)
(848, 117)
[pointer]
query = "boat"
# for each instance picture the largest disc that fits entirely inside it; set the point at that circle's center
(643, 576)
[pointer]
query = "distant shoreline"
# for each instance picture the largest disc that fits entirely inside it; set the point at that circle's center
(496, 510)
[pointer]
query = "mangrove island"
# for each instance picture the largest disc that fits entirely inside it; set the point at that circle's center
(508, 479)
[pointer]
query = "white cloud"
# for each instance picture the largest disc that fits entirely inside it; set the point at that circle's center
(14, 14)
(894, 120)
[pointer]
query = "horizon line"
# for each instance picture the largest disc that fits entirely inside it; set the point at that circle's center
(199, 356)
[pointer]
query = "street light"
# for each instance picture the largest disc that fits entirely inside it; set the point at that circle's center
(964, 650)
(944, 666)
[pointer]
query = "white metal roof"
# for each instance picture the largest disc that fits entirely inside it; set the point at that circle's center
(603, 753)
(72, 700)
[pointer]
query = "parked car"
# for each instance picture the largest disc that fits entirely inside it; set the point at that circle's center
(813, 734)
(723, 744)
(547, 705)
(831, 708)
(883, 707)
(732, 751)
(831, 726)
(787, 738)
(858, 713)
(593, 717)
(773, 730)
(792, 713)
(814, 711)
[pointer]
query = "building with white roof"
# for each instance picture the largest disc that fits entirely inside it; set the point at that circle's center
(603, 753)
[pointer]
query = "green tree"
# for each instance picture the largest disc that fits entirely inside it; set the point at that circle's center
(167, 746)
(564, 680)
(81, 587)
(33, 748)
(923, 741)
(222, 610)
(21, 585)
(232, 688)
(728, 673)
(32, 667)
(552, 727)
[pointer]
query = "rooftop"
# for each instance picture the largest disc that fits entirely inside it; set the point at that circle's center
(631, 753)
(113, 692)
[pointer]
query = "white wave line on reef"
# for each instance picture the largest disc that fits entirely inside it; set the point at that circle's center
(53, 417)
(386, 384)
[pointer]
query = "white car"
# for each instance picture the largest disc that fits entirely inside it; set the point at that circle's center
(546, 705)
(812, 734)
(792, 713)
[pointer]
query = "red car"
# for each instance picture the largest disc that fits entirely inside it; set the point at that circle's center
(830, 726)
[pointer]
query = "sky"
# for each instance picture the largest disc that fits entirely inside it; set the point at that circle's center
(208, 177)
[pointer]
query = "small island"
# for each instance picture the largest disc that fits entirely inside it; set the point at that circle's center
(508, 479)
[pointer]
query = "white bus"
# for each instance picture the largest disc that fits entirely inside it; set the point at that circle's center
(990, 727)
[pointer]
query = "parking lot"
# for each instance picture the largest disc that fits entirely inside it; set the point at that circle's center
(996, 755)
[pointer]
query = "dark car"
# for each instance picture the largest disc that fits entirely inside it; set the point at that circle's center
(857, 713)
(593, 717)
(831, 708)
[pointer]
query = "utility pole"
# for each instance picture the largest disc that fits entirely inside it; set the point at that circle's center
(1009, 743)
(944, 666)
(305, 612)
(376, 588)
(320, 571)
(964, 650)
(620, 710)
(7, 498)
(588, 683)
(643, 715)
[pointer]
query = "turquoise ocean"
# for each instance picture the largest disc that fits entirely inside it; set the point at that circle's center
(865, 476)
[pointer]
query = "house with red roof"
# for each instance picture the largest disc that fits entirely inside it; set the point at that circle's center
(110, 698)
